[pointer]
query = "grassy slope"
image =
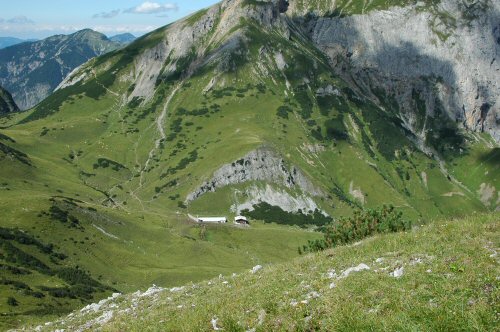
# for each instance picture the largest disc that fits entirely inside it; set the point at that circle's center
(449, 282)
(346, 7)
(156, 243)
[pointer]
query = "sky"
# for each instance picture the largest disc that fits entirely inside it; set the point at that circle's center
(42, 18)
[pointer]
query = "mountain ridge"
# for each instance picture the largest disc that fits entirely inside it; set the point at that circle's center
(436, 50)
(9, 41)
(123, 38)
(32, 70)
(235, 108)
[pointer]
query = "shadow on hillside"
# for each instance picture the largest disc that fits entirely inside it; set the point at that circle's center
(414, 85)
(491, 158)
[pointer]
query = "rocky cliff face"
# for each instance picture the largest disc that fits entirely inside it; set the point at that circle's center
(444, 54)
(259, 165)
(7, 104)
(208, 38)
(32, 70)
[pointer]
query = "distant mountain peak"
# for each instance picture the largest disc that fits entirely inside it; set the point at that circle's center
(32, 70)
(123, 38)
(88, 34)
(10, 41)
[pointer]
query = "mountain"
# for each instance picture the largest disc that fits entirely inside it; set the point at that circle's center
(376, 52)
(347, 288)
(7, 104)
(32, 70)
(124, 38)
(293, 114)
(9, 41)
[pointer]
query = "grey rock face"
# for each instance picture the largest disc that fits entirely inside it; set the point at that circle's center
(402, 48)
(191, 39)
(33, 70)
(7, 104)
(258, 165)
(272, 196)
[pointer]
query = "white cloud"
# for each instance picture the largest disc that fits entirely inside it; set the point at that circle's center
(142, 28)
(152, 8)
(20, 20)
(110, 14)
(138, 29)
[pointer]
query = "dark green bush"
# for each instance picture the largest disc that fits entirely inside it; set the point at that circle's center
(14, 270)
(105, 163)
(169, 184)
(24, 238)
(361, 225)
(17, 256)
(270, 213)
(283, 111)
(316, 133)
(12, 153)
(335, 128)
(193, 155)
(135, 102)
(12, 301)
(304, 100)
(75, 276)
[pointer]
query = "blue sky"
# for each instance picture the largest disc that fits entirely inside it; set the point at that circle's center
(43, 18)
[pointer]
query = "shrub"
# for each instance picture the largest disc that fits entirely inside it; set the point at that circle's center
(17, 256)
(12, 301)
(15, 154)
(361, 225)
(316, 133)
(193, 155)
(270, 213)
(105, 163)
(75, 276)
(335, 129)
(135, 102)
(283, 111)
(21, 237)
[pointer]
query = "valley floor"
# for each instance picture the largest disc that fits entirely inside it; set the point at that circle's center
(439, 277)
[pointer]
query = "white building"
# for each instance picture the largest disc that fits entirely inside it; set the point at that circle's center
(241, 220)
(212, 220)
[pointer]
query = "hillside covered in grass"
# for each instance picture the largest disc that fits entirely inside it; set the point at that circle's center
(436, 277)
(251, 107)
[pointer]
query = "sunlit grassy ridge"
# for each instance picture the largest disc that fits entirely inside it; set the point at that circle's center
(440, 276)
